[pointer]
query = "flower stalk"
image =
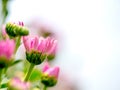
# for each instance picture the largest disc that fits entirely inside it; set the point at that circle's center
(0, 76)
(45, 87)
(17, 43)
(29, 72)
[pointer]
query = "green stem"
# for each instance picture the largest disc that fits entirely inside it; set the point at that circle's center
(5, 70)
(29, 72)
(0, 76)
(45, 87)
(18, 40)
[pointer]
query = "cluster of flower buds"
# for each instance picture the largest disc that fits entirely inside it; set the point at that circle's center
(15, 30)
(37, 50)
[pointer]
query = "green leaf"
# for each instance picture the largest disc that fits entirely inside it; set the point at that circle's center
(35, 75)
(16, 62)
(4, 85)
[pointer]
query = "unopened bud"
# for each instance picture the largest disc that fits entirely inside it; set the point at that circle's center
(49, 75)
(17, 84)
(15, 30)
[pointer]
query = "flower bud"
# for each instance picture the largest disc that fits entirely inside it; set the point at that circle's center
(17, 84)
(15, 30)
(49, 76)
(51, 48)
(7, 48)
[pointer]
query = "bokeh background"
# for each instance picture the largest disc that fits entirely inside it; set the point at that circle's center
(89, 38)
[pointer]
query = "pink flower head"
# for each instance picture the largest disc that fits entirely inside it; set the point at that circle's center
(41, 44)
(38, 49)
(17, 84)
(49, 75)
(51, 46)
(51, 72)
(35, 49)
(7, 48)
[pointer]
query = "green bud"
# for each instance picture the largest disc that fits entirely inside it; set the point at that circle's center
(50, 57)
(15, 30)
(48, 80)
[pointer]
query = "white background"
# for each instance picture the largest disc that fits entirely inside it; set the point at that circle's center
(91, 37)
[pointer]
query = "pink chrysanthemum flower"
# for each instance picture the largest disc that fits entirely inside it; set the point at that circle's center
(51, 48)
(7, 48)
(52, 72)
(17, 84)
(50, 75)
(37, 49)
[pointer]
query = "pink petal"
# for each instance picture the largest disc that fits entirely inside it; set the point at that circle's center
(7, 48)
(46, 67)
(26, 41)
(34, 43)
(53, 72)
(3, 31)
(11, 45)
(41, 46)
(53, 49)
(20, 23)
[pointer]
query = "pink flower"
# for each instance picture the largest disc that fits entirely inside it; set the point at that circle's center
(49, 75)
(51, 72)
(7, 48)
(37, 49)
(17, 84)
(51, 46)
